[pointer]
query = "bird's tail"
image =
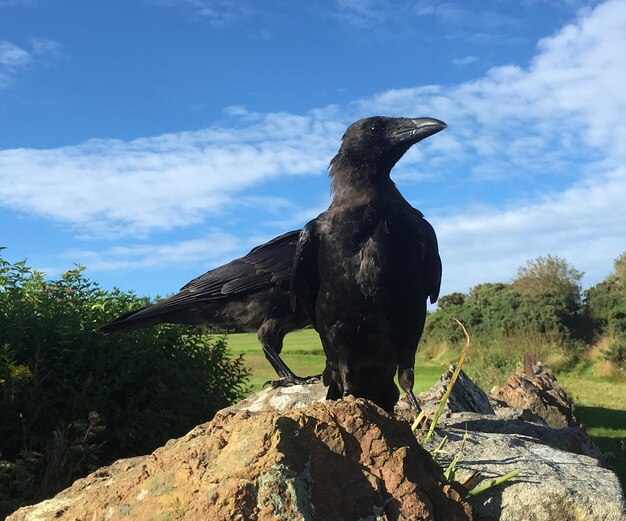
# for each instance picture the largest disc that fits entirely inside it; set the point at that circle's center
(132, 320)
(173, 310)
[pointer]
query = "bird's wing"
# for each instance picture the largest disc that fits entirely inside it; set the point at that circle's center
(432, 261)
(265, 266)
(305, 279)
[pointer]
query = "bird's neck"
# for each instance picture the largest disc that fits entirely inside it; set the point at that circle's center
(356, 184)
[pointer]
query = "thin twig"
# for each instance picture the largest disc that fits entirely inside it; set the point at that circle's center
(455, 375)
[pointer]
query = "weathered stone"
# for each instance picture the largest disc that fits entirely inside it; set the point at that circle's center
(539, 393)
(282, 398)
(570, 439)
(466, 396)
(344, 460)
(282, 455)
(553, 485)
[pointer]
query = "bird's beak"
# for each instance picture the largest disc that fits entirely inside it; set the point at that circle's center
(413, 130)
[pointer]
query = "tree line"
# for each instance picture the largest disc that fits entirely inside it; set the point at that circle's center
(543, 308)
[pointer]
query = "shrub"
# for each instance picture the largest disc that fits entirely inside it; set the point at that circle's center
(539, 311)
(73, 399)
(616, 353)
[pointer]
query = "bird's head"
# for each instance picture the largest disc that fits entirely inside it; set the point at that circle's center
(380, 142)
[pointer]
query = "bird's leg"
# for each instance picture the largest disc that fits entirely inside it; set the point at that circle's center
(347, 386)
(413, 401)
(406, 377)
(271, 337)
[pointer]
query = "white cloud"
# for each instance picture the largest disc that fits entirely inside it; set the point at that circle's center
(537, 119)
(466, 60)
(164, 182)
(13, 57)
(364, 13)
(586, 224)
(217, 12)
(46, 47)
(213, 249)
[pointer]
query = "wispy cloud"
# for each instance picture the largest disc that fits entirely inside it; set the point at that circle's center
(46, 47)
(15, 59)
(213, 249)
(564, 108)
(456, 13)
(114, 187)
(12, 59)
(585, 224)
(217, 12)
(466, 60)
(365, 13)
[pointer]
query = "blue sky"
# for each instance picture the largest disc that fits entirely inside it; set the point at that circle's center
(151, 140)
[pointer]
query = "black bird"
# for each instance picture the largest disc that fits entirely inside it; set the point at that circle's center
(364, 268)
(251, 292)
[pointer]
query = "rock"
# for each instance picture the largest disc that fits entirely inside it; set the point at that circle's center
(539, 393)
(570, 439)
(344, 460)
(282, 398)
(553, 485)
(466, 396)
(288, 454)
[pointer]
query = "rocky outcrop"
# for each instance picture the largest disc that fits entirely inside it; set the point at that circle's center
(540, 393)
(345, 460)
(571, 439)
(553, 485)
(288, 454)
(465, 396)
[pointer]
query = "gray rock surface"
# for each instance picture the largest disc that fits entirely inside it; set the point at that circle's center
(554, 485)
(465, 395)
(570, 439)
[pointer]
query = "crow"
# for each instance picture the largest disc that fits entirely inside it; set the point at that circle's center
(251, 293)
(364, 268)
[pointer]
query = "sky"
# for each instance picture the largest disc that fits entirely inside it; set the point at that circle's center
(152, 140)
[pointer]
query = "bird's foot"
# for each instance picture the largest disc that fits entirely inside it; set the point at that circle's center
(288, 381)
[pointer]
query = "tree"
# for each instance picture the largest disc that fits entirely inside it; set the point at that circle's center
(606, 301)
(453, 299)
(549, 278)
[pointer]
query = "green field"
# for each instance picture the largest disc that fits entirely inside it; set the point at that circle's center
(303, 353)
(600, 402)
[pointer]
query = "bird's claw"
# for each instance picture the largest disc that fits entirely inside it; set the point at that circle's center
(288, 381)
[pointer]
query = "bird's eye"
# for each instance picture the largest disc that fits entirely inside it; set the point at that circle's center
(375, 130)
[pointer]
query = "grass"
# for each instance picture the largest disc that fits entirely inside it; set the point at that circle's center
(303, 353)
(601, 407)
(600, 403)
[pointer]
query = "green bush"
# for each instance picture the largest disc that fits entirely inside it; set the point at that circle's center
(616, 353)
(540, 311)
(73, 399)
